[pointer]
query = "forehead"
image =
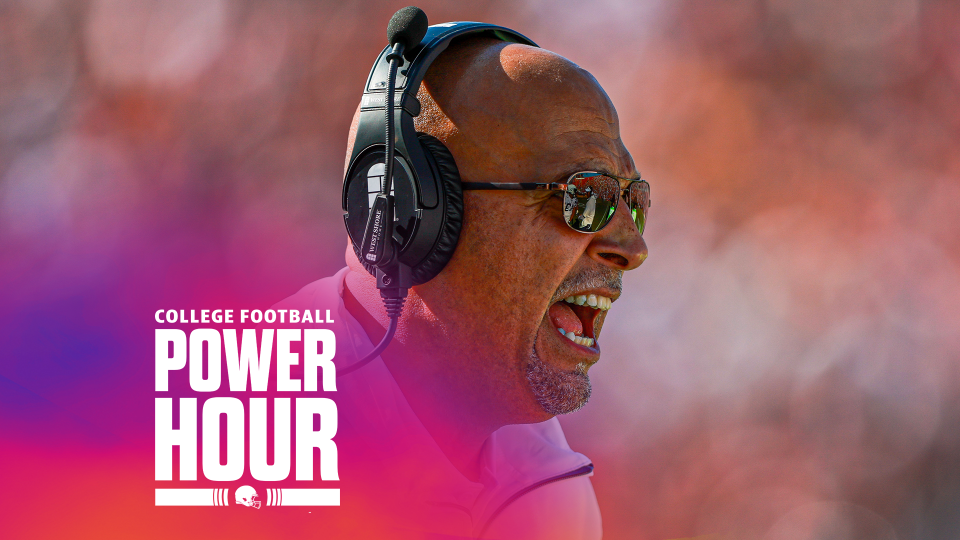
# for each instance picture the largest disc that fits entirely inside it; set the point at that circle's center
(518, 113)
(577, 139)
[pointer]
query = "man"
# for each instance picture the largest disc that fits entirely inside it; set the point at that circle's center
(489, 351)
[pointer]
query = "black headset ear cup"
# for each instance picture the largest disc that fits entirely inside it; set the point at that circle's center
(452, 200)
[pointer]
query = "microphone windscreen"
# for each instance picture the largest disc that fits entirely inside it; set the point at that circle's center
(407, 26)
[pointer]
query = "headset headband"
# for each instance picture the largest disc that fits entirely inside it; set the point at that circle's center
(436, 41)
(410, 74)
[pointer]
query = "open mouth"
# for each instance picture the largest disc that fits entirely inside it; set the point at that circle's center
(575, 316)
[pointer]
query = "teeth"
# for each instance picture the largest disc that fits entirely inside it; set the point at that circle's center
(593, 300)
(580, 340)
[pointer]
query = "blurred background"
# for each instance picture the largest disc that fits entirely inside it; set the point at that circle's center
(784, 366)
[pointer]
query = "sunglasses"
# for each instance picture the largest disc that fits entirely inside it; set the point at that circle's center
(589, 198)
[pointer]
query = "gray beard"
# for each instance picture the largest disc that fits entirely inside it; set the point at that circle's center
(556, 390)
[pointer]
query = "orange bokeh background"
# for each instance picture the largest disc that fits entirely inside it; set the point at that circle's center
(784, 366)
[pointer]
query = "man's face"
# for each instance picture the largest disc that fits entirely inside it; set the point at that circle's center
(533, 118)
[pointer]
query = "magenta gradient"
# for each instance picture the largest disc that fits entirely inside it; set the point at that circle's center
(785, 361)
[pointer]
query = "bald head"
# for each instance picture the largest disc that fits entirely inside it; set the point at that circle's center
(511, 112)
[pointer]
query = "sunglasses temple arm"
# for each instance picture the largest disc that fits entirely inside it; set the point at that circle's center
(511, 186)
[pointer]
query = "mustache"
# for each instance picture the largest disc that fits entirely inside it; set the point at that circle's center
(589, 279)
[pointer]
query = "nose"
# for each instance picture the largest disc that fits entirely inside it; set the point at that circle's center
(619, 245)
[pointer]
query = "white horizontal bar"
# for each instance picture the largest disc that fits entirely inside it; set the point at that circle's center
(186, 497)
(309, 497)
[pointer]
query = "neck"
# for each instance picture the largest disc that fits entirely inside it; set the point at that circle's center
(442, 391)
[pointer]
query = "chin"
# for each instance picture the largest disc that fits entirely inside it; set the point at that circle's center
(558, 390)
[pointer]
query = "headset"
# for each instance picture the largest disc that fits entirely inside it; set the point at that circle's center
(402, 200)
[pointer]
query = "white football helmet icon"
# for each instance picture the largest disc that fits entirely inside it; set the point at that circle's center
(247, 496)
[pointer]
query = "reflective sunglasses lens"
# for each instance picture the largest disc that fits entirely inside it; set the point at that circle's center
(590, 201)
(639, 194)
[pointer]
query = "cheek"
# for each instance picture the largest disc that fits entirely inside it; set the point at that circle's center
(523, 252)
(499, 236)
(490, 248)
